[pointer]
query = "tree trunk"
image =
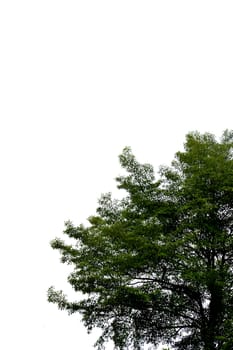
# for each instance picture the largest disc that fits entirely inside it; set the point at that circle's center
(215, 319)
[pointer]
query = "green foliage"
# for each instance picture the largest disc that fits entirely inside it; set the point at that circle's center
(156, 266)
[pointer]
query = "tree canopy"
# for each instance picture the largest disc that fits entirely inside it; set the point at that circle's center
(157, 265)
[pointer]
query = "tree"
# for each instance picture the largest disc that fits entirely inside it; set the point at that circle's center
(156, 266)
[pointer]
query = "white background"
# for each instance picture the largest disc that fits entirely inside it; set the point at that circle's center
(79, 80)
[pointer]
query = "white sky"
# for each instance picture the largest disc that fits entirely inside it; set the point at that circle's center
(79, 80)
